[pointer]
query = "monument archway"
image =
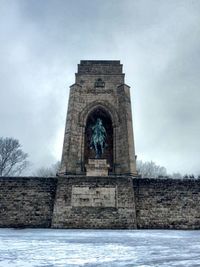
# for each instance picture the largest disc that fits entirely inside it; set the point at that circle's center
(99, 113)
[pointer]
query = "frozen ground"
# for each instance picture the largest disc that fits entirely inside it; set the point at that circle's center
(62, 248)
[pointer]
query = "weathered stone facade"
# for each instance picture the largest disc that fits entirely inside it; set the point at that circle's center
(27, 202)
(82, 202)
(99, 91)
(167, 203)
(94, 202)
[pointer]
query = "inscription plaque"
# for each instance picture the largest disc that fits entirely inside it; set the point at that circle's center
(93, 196)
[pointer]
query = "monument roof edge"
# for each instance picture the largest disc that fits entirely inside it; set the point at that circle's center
(90, 62)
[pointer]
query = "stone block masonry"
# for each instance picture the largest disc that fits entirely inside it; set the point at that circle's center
(94, 202)
(99, 92)
(26, 202)
(112, 202)
(167, 203)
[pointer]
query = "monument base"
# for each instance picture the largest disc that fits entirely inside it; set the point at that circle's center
(94, 203)
(97, 167)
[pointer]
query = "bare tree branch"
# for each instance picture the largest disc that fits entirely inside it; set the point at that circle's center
(48, 172)
(12, 159)
(149, 169)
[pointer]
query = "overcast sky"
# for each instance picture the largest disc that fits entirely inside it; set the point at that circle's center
(158, 42)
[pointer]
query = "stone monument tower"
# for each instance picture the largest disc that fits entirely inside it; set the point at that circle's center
(95, 185)
(99, 129)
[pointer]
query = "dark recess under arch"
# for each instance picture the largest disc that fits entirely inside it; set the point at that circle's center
(101, 113)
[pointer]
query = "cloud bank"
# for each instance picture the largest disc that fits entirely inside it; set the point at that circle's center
(158, 42)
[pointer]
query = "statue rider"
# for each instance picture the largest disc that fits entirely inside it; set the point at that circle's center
(98, 138)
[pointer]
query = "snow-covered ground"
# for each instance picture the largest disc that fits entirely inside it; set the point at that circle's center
(62, 248)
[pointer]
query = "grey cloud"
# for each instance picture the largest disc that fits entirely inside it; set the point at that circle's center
(157, 41)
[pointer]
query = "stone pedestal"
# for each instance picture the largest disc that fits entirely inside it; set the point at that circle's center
(97, 167)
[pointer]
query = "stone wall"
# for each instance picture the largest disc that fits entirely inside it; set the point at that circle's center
(99, 202)
(167, 203)
(26, 202)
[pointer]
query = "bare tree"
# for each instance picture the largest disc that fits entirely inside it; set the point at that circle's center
(49, 171)
(12, 159)
(189, 176)
(149, 169)
(176, 175)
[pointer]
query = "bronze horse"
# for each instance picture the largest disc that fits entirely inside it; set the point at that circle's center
(98, 138)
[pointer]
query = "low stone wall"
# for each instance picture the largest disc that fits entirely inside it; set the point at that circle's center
(26, 202)
(167, 203)
(99, 202)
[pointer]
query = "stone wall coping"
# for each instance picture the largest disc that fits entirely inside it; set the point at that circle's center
(165, 181)
(17, 178)
(136, 180)
(112, 177)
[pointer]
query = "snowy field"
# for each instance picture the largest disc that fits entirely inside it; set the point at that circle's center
(62, 248)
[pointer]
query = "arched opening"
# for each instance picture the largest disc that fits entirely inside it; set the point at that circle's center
(89, 152)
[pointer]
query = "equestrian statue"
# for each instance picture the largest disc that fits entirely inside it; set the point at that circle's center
(98, 138)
